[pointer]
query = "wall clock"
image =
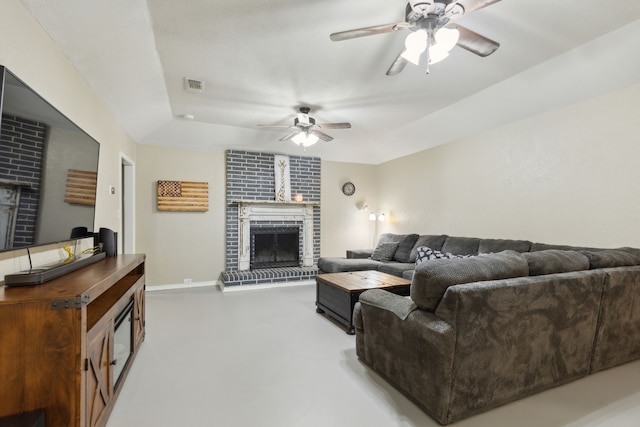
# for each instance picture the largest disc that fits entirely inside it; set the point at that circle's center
(348, 188)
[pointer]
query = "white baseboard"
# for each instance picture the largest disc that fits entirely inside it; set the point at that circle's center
(265, 285)
(181, 286)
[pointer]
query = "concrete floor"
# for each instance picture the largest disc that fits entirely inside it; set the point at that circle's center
(265, 358)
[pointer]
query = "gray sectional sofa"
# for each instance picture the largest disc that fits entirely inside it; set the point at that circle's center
(482, 331)
(403, 262)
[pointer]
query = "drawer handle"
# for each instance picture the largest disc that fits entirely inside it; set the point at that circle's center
(114, 362)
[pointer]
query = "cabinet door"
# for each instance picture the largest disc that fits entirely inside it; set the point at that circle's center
(99, 382)
(138, 316)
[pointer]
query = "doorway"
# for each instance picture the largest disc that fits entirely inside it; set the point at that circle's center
(127, 211)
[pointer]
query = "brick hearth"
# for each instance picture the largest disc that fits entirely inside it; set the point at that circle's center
(269, 276)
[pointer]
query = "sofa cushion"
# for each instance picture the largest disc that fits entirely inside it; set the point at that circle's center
(433, 242)
(431, 279)
(408, 274)
(488, 246)
(544, 246)
(606, 258)
(425, 253)
(461, 245)
(555, 261)
(395, 268)
(405, 244)
(384, 251)
(359, 253)
(339, 265)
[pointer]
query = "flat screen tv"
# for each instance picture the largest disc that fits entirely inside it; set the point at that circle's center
(48, 171)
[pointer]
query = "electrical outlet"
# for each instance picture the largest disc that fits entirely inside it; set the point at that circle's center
(187, 281)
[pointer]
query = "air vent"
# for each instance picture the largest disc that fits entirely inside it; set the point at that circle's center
(193, 85)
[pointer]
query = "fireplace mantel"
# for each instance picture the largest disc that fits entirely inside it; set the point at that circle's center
(271, 210)
(241, 203)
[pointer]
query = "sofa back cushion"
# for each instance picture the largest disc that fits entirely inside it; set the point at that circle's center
(405, 244)
(487, 246)
(434, 242)
(432, 278)
(607, 258)
(555, 261)
(461, 245)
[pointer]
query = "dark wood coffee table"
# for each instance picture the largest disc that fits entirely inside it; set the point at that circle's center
(337, 293)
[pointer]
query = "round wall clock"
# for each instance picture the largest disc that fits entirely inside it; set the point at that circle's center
(348, 188)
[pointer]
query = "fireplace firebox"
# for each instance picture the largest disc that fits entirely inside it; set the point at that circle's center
(275, 247)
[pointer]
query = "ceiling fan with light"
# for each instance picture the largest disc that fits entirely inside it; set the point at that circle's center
(305, 131)
(431, 32)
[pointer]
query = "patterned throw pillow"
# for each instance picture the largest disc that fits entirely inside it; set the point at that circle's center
(384, 251)
(425, 253)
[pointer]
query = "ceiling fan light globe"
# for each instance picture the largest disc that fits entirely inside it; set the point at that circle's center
(436, 55)
(446, 38)
(416, 41)
(311, 139)
(415, 44)
(304, 139)
(411, 56)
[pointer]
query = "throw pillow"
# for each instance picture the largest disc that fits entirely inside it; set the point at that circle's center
(426, 253)
(384, 251)
(405, 244)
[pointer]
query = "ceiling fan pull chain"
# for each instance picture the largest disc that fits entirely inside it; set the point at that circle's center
(427, 53)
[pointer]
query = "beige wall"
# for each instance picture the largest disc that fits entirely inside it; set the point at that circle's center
(568, 176)
(180, 245)
(343, 224)
(29, 53)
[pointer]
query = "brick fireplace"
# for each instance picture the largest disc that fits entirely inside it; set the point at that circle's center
(251, 205)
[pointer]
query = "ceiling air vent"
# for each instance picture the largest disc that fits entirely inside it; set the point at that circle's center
(193, 85)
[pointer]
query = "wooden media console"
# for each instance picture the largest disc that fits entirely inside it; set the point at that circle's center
(66, 346)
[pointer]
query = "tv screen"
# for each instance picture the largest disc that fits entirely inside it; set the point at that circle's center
(48, 170)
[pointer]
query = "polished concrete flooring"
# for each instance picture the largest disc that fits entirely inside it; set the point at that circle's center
(265, 358)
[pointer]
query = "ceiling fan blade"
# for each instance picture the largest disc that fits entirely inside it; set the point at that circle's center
(323, 136)
(334, 126)
(289, 135)
(474, 42)
(368, 31)
(275, 126)
(398, 65)
(471, 5)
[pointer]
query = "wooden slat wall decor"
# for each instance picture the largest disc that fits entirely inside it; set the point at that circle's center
(81, 187)
(183, 196)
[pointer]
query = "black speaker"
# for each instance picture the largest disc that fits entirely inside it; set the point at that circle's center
(109, 241)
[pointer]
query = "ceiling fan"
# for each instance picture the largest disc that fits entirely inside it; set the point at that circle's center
(431, 31)
(305, 131)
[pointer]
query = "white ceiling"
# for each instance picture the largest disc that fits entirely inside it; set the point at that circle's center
(262, 60)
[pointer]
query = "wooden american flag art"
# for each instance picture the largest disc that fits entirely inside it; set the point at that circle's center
(183, 196)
